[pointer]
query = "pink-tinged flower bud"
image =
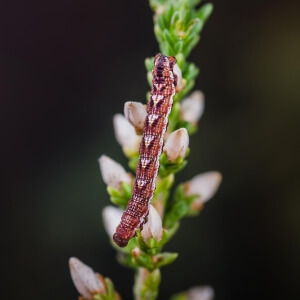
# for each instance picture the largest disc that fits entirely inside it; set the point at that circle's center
(135, 113)
(205, 185)
(153, 227)
(159, 204)
(126, 135)
(192, 107)
(176, 144)
(200, 293)
(177, 72)
(86, 281)
(111, 218)
(113, 173)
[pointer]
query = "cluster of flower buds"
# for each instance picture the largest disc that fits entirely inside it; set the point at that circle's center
(143, 252)
(177, 28)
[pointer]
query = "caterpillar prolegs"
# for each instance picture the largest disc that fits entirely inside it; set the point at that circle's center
(158, 108)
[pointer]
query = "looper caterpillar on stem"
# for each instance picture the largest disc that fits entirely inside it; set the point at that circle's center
(158, 109)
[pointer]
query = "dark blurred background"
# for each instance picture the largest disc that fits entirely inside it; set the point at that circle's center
(68, 66)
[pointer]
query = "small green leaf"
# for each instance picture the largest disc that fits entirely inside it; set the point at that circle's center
(179, 193)
(189, 39)
(180, 207)
(167, 167)
(175, 18)
(190, 127)
(158, 32)
(197, 27)
(165, 183)
(205, 11)
(177, 212)
(166, 48)
(120, 197)
(189, 46)
(174, 116)
(172, 230)
(150, 247)
(110, 292)
(126, 189)
(164, 259)
(185, 12)
(180, 60)
(173, 168)
(194, 2)
(188, 87)
(178, 46)
(149, 62)
(168, 16)
(109, 287)
(191, 71)
(168, 37)
(133, 162)
(144, 260)
(161, 21)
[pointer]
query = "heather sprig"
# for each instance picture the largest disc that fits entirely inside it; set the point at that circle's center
(177, 27)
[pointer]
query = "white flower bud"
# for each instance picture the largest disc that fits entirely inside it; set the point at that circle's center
(200, 293)
(126, 135)
(205, 185)
(135, 113)
(113, 173)
(176, 144)
(192, 107)
(177, 72)
(153, 227)
(111, 218)
(86, 281)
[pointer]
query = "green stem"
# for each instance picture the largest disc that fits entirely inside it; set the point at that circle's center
(146, 284)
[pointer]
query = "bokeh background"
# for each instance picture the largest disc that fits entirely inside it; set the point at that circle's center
(68, 66)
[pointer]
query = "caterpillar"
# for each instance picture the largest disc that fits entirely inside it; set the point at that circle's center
(158, 108)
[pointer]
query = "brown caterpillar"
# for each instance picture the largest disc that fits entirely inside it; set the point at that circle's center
(158, 108)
